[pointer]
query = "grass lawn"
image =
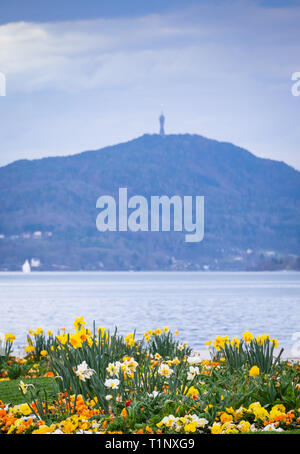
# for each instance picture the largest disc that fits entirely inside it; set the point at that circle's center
(10, 393)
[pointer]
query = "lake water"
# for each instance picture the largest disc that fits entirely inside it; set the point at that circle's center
(200, 305)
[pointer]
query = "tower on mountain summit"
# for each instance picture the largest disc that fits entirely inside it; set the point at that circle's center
(162, 124)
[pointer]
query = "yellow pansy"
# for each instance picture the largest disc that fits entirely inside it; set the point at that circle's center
(25, 409)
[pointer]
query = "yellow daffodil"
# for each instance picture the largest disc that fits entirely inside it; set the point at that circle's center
(247, 336)
(254, 371)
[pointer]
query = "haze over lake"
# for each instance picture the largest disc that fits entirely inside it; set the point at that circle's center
(200, 305)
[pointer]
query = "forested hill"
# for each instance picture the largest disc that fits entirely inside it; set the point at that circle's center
(252, 207)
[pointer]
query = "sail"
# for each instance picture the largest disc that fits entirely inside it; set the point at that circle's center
(26, 267)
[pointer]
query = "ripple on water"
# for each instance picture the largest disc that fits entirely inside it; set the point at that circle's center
(199, 305)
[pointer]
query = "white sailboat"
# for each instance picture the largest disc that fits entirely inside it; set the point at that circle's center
(26, 267)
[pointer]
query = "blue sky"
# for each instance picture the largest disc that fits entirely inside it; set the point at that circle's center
(85, 74)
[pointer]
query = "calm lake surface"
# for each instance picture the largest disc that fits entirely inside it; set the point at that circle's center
(199, 305)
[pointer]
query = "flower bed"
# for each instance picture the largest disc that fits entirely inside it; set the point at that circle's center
(102, 382)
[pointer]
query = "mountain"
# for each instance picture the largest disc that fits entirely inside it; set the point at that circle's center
(252, 215)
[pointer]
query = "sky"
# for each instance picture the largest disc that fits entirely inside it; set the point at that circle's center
(82, 75)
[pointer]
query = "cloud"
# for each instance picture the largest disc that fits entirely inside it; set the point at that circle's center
(202, 42)
(222, 70)
(82, 55)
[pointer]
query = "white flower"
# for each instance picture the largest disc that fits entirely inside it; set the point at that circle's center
(112, 383)
(153, 394)
(129, 366)
(201, 422)
(239, 411)
(83, 432)
(83, 371)
(169, 420)
(95, 425)
(273, 428)
(192, 372)
(108, 397)
(165, 370)
(113, 368)
(192, 360)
